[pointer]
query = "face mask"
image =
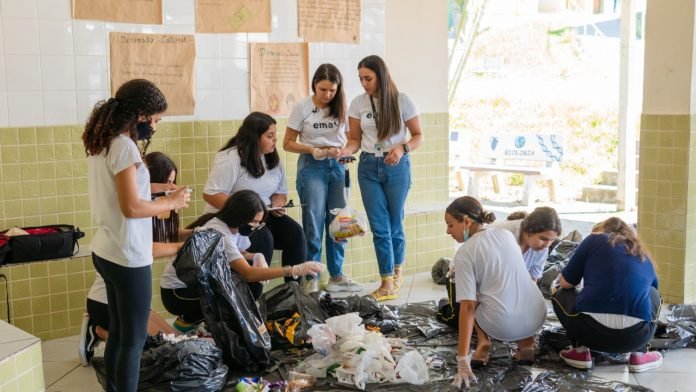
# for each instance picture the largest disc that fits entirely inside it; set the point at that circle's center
(144, 130)
(466, 234)
(245, 230)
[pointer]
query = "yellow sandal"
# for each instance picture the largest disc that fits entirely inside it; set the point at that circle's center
(398, 280)
(384, 295)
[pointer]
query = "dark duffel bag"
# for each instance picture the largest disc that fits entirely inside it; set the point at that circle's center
(43, 243)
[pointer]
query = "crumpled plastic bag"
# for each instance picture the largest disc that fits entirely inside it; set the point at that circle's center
(346, 224)
(412, 369)
(347, 326)
(323, 338)
(441, 270)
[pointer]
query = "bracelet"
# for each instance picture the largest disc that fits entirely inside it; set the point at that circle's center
(287, 271)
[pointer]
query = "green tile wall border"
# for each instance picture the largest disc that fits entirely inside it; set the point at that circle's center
(667, 201)
(44, 181)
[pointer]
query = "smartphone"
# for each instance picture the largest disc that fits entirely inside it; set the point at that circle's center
(346, 159)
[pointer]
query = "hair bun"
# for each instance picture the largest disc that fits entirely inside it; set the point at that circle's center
(487, 217)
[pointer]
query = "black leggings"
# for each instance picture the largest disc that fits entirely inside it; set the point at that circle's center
(281, 233)
(185, 303)
(129, 293)
(98, 313)
(583, 330)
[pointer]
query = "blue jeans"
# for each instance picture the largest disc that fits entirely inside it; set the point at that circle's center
(320, 185)
(384, 189)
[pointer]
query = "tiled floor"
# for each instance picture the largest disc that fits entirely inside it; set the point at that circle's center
(63, 371)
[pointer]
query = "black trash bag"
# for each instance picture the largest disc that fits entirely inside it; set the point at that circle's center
(229, 309)
(671, 335)
(190, 365)
(374, 314)
(553, 337)
(440, 270)
(557, 260)
(448, 308)
(679, 312)
(289, 313)
(197, 247)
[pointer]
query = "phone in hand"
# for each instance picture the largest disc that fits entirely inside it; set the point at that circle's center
(346, 159)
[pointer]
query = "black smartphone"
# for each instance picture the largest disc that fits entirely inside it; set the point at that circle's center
(346, 159)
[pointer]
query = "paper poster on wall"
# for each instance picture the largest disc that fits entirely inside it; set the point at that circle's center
(124, 11)
(165, 59)
(232, 16)
(329, 20)
(278, 76)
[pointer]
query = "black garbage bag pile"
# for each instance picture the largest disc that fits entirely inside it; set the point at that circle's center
(374, 315)
(189, 365)
(679, 331)
(557, 260)
(289, 313)
(230, 311)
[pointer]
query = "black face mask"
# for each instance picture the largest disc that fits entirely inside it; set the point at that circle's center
(144, 130)
(245, 230)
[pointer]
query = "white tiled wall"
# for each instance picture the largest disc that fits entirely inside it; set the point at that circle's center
(53, 68)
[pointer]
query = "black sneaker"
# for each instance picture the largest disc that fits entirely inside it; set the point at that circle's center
(88, 341)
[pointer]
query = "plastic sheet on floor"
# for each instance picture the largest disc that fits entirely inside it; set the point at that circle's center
(437, 344)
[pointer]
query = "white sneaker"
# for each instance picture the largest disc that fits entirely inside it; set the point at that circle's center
(309, 286)
(345, 284)
(88, 341)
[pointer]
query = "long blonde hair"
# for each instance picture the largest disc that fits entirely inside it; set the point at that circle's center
(620, 233)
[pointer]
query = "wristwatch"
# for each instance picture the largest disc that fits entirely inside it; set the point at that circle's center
(407, 149)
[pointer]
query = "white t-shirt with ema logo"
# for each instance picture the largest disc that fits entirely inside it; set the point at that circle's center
(361, 109)
(316, 126)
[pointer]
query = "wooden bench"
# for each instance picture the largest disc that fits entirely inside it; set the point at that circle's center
(536, 157)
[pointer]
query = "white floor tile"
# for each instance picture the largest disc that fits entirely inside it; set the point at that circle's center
(79, 377)
(667, 382)
(624, 376)
(63, 388)
(678, 361)
(54, 371)
(57, 350)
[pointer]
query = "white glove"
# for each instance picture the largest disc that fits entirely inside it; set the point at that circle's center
(319, 154)
(464, 373)
(312, 268)
(259, 261)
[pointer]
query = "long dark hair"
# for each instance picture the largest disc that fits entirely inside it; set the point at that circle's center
(247, 142)
(337, 106)
(389, 118)
(470, 207)
(160, 167)
(135, 98)
(239, 209)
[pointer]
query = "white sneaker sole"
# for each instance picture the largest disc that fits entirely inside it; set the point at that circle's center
(577, 364)
(644, 367)
(83, 343)
(338, 288)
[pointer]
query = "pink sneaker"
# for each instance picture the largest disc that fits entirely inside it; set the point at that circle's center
(576, 358)
(640, 362)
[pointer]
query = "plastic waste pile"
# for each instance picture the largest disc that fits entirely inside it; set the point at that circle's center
(345, 350)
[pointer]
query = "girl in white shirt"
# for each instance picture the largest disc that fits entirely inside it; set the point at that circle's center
(122, 244)
(378, 121)
(250, 160)
(320, 123)
(496, 297)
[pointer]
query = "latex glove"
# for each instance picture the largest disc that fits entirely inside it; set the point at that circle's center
(312, 268)
(464, 373)
(259, 261)
(333, 152)
(319, 154)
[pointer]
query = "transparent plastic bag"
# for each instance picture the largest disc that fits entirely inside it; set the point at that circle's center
(346, 224)
(412, 369)
(323, 338)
